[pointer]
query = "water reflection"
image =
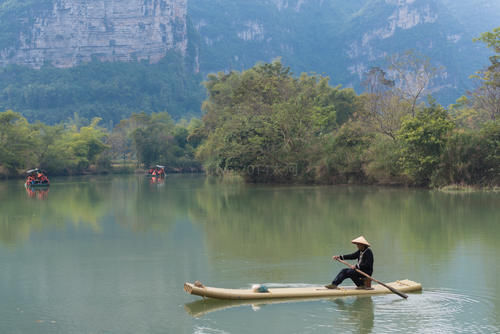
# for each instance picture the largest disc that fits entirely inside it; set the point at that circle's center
(134, 202)
(255, 221)
(359, 312)
(283, 222)
(157, 180)
(40, 194)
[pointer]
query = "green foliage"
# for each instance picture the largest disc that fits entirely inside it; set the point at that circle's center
(487, 96)
(85, 145)
(15, 141)
(346, 154)
(423, 139)
(267, 125)
(75, 148)
(471, 157)
(382, 161)
(466, 116)
(492, 40)
(154, 139)
(53, 148)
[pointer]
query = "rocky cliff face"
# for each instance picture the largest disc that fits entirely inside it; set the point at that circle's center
(76, 31)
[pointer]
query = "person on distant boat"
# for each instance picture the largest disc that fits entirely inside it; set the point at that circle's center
(364, 255)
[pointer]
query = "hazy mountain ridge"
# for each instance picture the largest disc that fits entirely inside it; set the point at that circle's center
(425, 26)
(342, 40)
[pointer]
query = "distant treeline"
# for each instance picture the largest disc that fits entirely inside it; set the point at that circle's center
(267, 125)
(75, 148)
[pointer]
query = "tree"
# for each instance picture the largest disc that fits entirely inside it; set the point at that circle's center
(487, 95)
(413, 74)
(383, 109)
(268, 126)
(390, 96)
(46, 137)
(471, 157)
(422, 139)
(120, 141)
(16, 142)
(86, 144)
(492, 40)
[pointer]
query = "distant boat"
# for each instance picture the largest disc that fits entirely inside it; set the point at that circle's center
(157, 171)
(36, 178)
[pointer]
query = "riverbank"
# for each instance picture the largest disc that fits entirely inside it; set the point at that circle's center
(129, 168)
(463, 188)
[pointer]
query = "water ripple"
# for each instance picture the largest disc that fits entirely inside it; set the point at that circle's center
(437, 311)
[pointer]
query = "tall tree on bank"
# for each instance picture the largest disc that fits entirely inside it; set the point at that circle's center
(413, 75)
(15, 141)
(487, 95)
(383, 110)
(266, 125)
(155, 139)
(422, 141)
(391, 95)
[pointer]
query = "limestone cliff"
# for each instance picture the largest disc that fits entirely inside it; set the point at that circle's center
(75, 31)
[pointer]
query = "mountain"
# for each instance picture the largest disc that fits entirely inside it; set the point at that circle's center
(66, 33)
(110, 58)
(344, 39)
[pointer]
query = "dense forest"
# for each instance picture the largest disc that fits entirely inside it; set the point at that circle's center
(266, 125)
(112, 91)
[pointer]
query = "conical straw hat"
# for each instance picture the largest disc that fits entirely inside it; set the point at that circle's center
(361, 240)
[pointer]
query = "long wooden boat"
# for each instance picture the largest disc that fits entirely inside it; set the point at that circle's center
(302, 292)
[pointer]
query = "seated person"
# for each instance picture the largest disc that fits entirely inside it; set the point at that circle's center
(364, 256)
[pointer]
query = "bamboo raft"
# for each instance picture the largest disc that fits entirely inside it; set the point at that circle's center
(302, 292)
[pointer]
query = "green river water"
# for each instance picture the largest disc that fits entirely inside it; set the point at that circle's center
(110, 254)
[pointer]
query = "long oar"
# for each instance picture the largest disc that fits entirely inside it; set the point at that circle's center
(399, 293)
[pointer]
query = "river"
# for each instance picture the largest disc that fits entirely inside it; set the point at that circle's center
(110, 254)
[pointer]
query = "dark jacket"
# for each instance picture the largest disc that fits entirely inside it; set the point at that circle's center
(365, 263)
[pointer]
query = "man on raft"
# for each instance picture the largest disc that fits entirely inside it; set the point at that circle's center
(364, 256)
